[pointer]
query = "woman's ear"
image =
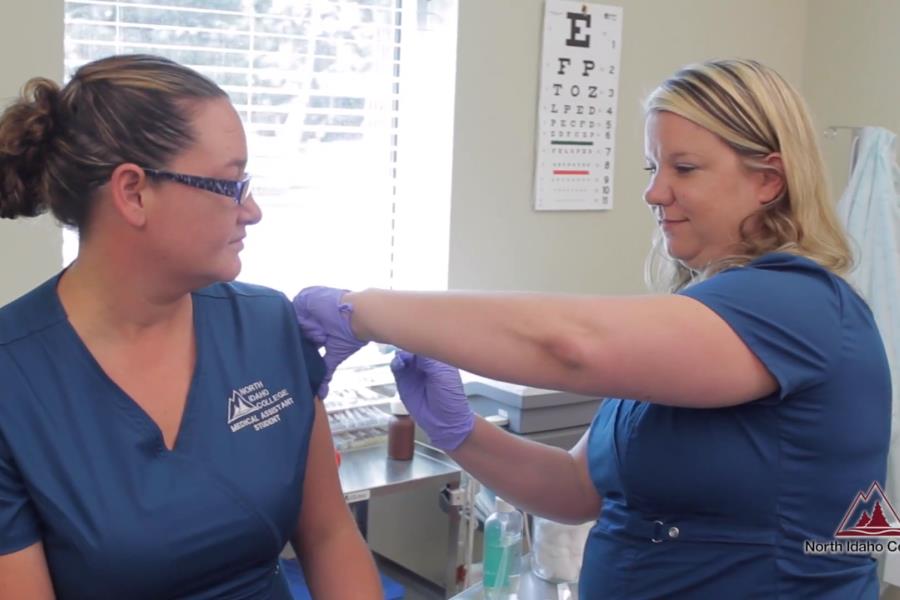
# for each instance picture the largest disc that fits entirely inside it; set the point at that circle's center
(126, 185)
(772, 181)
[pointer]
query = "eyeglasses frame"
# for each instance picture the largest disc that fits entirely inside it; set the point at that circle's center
(236, 189)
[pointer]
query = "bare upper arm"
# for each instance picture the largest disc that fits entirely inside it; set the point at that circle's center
(24, 574)
(671, 350)
(323, 507)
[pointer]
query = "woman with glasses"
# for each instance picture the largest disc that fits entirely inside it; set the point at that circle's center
(747, 409)
(159, 431)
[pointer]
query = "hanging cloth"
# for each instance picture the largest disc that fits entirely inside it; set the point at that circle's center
(870, 210)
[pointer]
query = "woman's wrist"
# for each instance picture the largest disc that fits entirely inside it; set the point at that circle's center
(469, 442)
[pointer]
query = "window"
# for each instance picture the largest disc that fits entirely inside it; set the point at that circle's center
(348, 110)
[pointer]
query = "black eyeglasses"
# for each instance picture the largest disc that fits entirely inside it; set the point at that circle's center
(237, 190)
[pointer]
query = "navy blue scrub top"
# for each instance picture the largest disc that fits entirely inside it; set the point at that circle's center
(717, 503)
(85, 470)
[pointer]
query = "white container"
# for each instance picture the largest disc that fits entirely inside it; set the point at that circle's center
(558, 550)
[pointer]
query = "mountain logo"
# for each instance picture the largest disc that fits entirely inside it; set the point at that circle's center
(239, 407)
(870, 515)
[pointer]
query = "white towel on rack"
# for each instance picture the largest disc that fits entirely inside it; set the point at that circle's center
(870, 209)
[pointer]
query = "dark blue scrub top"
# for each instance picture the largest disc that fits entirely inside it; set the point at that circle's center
(84, 469)
(717, 503)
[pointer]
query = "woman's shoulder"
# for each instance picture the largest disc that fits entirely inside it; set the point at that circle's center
(778, 284)
(785, 261)
(32, 312)
(784, 277)
(236, 294)
(808, 270)
(786, 269)
(238, 290)
(249, 303)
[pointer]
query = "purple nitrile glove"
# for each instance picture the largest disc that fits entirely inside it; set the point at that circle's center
(325, 320)
(433, 393)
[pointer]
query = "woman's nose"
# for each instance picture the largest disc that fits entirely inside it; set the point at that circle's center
(658, 191)
(251, 213)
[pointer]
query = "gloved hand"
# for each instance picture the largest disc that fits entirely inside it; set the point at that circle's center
(325, 321)
(433, 393)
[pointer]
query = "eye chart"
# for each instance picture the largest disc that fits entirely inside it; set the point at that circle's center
(577, 108)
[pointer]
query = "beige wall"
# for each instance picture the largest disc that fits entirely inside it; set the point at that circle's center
(496, 240)
(30, 44)
(852, 71)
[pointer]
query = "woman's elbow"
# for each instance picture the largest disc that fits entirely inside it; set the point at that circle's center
(578, 359)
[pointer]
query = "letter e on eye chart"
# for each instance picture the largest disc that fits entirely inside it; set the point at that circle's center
(577, 106)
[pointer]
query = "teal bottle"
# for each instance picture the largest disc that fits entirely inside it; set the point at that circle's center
(502, 551)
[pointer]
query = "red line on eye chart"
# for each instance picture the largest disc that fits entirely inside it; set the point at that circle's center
(570, 172)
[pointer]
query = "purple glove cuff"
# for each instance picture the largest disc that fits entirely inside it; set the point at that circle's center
(345, 309)
(325, 321)
(456, 436)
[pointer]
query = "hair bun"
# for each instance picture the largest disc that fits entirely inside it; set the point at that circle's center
(43, 97)
(28, 128)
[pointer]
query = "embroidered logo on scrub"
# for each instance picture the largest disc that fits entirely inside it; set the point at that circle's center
(253, 405)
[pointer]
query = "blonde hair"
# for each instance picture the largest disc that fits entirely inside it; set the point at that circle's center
(59, 145)
(756, 112)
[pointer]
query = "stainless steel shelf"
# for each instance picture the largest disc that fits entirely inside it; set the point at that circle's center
(367, 473)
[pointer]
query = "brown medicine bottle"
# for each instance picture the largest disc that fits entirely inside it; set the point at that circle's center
(401, 433)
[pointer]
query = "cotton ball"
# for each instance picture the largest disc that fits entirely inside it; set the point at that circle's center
(558, 549)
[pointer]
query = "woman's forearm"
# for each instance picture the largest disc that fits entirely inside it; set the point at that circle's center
(522, 472)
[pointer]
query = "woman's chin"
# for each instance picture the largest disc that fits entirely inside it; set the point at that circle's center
(231, 271)
(690, 260)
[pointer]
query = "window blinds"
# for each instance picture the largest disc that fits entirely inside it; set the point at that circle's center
(317, 84)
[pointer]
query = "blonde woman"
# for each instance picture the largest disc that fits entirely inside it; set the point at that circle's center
(159, 434)
(745, 409)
